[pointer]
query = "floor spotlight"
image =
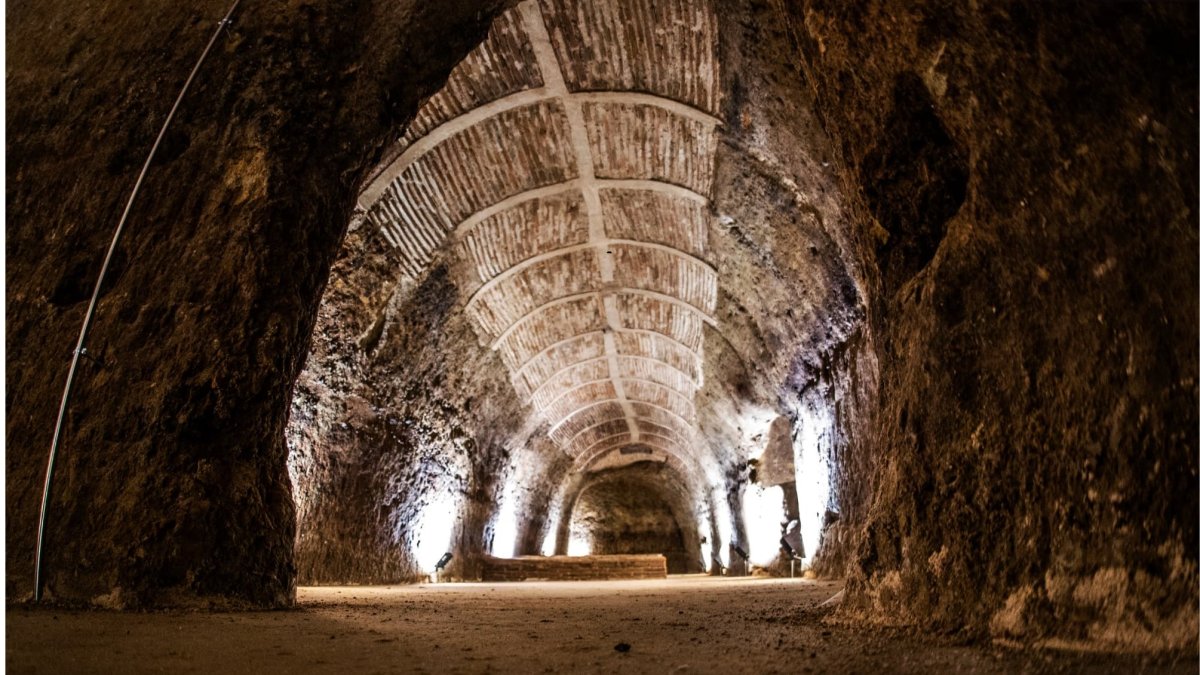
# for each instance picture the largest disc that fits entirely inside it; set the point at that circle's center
(792, 543)
(441, 564)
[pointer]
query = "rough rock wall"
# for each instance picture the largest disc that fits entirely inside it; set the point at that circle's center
(399, 430)
(171, 485)
(1029, 174)
(789, 294)
(638, 509)
(1017, 422)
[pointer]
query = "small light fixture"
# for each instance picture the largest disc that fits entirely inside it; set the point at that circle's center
(439, 566)
(792, 543)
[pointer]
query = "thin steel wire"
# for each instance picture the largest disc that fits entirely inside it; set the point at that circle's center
(91, 310)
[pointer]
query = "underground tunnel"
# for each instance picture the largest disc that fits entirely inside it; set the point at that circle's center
(839, 336)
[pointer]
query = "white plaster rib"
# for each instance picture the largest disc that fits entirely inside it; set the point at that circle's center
(675, 451)
(567, 448)
(699, 380)
(550, 347)
(575, 248)
(651, 185)
(656, 423)
(631, 98)
(686, 465)
(443, 132)
(669, 443)
(584, 362)
(558, 397)
(606, 295)
(601, 401)
(589, 403)
(618, 461)
(552, 76)
(512, 201)
(653, 445)
(554, 189)
(607, 444)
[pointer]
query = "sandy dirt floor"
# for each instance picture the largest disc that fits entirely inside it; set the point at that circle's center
(683, 625)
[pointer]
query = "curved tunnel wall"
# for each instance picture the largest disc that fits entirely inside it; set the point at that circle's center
(172, 485)
(1006, 194)
(638, 509)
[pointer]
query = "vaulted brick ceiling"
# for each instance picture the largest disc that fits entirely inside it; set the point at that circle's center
(568, 164)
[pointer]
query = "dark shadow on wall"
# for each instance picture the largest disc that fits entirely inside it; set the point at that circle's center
(918, 182)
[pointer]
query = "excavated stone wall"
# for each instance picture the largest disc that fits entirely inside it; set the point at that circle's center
(172, 484)
(957, 246)
(402, 426)
(1027, 173)
(391, 441)
(789, 292)
(638, 509)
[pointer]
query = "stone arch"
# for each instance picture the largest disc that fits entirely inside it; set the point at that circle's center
(622, 493)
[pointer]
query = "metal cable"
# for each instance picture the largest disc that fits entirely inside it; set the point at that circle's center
(91, 310)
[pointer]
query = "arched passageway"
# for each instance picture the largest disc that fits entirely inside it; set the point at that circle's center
(565, 217)
(408, 277)
(639, 508)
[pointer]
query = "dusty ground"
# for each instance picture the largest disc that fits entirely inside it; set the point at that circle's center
(687, 624)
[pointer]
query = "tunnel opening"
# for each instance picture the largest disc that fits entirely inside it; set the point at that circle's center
(482, 356)
(590, 239)
(639, 508)
(616, 521)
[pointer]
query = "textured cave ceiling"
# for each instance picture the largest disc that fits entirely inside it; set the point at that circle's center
(568, 163)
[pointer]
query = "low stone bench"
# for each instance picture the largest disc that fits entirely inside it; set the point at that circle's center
(575, 568)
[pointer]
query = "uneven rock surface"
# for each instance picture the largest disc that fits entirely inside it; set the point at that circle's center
(953, 248)
(172, 482)
(689, 624)
(637, 509)
(1027, 178)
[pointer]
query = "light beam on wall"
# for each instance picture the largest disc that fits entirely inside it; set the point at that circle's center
(579, 544)
(703, 534)
(505, 529)
(435, 529)
(814, 436)
(763, 514)
(553, 521)
(723, 520)
(549, 541)
(706, 551)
